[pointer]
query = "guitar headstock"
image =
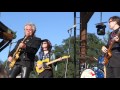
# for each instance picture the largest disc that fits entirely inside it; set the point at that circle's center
(65, 57)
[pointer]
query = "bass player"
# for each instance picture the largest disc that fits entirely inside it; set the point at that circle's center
(112, 49)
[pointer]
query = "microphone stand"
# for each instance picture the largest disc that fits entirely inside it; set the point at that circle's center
(70, 33)
(10, 47)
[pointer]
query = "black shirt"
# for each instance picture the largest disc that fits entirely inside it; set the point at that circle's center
(27, 55)
(115, 59)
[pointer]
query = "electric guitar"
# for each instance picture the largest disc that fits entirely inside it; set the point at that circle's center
(16, 54)
(108, 55)
(48, 62)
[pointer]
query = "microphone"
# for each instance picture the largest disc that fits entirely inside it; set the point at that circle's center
(72, 28)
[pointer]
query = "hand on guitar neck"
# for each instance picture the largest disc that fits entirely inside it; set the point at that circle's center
(60, 59)
(22, 45)
(10, 58)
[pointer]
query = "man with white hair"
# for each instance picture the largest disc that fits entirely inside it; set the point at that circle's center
(21, 58)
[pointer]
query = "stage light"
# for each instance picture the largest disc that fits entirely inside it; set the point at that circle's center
(100, 29)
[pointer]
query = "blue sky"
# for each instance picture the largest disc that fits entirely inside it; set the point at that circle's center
(50, 25)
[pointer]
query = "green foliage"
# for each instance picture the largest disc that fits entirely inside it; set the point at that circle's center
(105, 38)
(94, 45)
(33, 74)
(60, 73)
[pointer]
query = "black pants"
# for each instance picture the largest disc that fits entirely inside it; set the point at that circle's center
(46, 74)
(112, 72)
(17, 69)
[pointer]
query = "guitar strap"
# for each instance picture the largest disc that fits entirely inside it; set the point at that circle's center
(40, 56)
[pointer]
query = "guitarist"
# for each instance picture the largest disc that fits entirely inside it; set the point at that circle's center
(112, 68)
(44, 54)
(25, 63)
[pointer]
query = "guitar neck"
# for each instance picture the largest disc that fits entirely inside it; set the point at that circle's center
(51, 62)
(16, 51)
(18, 48)
(59, 59)
(111, 45)
(113, 41)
